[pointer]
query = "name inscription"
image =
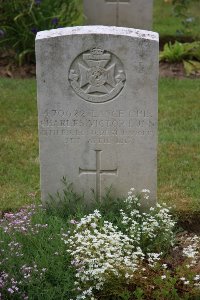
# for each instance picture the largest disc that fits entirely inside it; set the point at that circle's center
(98, 127)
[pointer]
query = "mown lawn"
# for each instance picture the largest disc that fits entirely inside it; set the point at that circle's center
(168, 25)
(19, 143)
(178, 151)
(179, 143)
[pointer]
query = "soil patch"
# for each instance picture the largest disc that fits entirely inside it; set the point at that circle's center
(9, 68)
(175, 70)
(190, 222)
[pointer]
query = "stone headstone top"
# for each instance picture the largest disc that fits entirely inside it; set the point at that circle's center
(107, 30)
(127, 13)
(97, 105)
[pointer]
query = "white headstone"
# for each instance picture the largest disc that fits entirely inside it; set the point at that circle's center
(97, 103)
(126, 13)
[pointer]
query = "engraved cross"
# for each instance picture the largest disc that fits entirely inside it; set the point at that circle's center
(98, 171)
(117, 3)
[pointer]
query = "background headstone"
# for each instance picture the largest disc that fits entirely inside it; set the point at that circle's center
(97, 103)
(126, 13)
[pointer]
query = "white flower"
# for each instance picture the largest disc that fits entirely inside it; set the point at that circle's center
(93, 225)
(145, 191)
(99, 250)
(182, 278)
(197, 277)
(164, 266)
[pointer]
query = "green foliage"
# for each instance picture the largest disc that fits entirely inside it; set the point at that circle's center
(191, 67)
(34, 257)
(181, 20)
(172, 52)
(112, 264)
(22, 19)
(138, 293)
(181, 7)
(178, 52)
(35, 263)
(188, 53)
(68, 204)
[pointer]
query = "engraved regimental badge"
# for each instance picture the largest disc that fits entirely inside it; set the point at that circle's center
(97, 75)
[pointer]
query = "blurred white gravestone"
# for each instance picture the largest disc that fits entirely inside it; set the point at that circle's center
(126, 13)
(97, 104)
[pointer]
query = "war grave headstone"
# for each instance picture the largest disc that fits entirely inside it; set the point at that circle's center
(97, 106)
(126, 13)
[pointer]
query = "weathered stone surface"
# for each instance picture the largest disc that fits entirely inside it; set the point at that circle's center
(97, 104)
(127, 13)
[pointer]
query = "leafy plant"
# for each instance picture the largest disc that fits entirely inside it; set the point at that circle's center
(191, 67)
(119, 264)
(22, 19)
(172, 52)
(178, 52)
(188, 53)
(68, 203)
(36, 258)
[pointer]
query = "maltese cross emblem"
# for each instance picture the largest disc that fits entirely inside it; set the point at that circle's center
(97, 76)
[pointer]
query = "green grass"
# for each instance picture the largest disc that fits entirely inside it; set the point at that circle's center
(179, 142)
(19, 143)
(167, 24)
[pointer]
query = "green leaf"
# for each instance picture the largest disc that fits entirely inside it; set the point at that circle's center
(191, 67)
(23, 54)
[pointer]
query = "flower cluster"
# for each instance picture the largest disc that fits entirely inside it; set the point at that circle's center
(102, 254)
(191, 250)
(28, 271)
(130, 254)
(12, 227)
(11, 286)
(197, 280)
(21, 221)
(147, 229)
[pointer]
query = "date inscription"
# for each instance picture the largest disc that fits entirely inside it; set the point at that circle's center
(98, 127)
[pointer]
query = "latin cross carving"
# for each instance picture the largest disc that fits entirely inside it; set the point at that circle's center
(98, 172)
(117, 3)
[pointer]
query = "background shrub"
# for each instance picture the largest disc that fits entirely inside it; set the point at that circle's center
(22, 19)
